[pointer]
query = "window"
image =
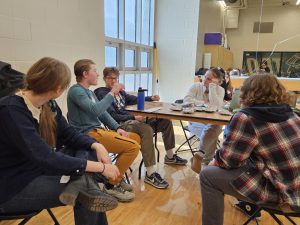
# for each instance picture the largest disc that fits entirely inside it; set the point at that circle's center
(110, 56)
(129, 58)
(144, 59)
(129, 35)
(111, 19)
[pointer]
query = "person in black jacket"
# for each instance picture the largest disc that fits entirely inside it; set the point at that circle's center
(141, 126)
(33, 142)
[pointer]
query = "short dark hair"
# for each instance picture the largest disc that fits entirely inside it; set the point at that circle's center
(108, 70)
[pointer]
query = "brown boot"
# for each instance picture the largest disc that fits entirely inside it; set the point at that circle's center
(196, 162)
(87, 192)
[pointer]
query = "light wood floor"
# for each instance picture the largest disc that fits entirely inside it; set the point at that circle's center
(178, 205)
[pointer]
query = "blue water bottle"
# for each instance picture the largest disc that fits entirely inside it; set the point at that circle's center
(141, 99)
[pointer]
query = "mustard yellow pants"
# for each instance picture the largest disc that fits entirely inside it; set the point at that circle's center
(126, 148)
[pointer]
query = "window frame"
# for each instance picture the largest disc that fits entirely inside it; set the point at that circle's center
(121, 44)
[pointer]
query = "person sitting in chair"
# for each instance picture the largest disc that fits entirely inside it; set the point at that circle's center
(144, 127)
(207, 133)
(87, 114)
(259, 160)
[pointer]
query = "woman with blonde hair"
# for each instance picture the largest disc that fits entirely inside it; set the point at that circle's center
(34, 139)
(259, 160)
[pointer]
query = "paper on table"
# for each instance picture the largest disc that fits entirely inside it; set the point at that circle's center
(152, 109)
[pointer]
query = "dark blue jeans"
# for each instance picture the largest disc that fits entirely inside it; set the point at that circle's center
(43, 193)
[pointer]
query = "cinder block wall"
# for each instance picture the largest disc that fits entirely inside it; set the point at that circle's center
(64, 29)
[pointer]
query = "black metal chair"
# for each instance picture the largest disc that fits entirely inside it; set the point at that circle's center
(273, 213)
(157, 150)
(188, 140)
(26, 216)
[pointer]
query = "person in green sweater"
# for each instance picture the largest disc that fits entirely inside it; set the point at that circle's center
(87, 114)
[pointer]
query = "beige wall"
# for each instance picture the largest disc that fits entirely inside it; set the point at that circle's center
(64, 29)
(210, 21)
(286, 24)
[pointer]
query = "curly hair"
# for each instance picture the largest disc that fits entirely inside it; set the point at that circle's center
(263, 89)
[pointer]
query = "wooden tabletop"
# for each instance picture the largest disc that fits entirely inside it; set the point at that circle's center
(162, 110)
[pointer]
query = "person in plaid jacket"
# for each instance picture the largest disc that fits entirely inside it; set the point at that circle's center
(259, 161)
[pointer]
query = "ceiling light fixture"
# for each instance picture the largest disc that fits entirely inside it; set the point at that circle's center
(298, 2)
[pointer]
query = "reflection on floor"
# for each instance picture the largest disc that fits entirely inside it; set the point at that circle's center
(178, 205)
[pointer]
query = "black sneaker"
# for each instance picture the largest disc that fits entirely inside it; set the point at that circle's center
(156, 180)
(248, 208)
(176, 160)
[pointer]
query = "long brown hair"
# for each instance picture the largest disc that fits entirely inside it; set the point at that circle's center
(263, 89)
(46, 75)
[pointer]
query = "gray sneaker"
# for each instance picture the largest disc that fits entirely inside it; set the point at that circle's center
(156, 180)
(126, 186)
(119, 193)
(176, 160)
(86, 191)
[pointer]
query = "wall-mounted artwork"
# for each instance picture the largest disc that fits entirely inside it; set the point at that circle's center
(281, 64)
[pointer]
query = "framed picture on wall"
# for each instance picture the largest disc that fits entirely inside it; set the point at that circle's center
(281, 64)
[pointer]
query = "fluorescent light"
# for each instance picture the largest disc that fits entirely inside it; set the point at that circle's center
(298, 2)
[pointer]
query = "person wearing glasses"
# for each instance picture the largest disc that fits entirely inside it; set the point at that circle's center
(87, 114)
(144, 127)
(207, 133)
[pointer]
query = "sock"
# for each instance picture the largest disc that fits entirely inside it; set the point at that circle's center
(170, 153)
(109, 186)
(150, 170)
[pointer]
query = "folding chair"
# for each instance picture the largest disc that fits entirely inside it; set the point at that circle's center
(273, 213)
(157, 150)
(26, 216)
(188, 140)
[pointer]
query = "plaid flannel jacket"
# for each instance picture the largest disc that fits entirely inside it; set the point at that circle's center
(274, 152)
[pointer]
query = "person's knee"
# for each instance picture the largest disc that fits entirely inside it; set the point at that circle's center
(146, 130)
(205, 174)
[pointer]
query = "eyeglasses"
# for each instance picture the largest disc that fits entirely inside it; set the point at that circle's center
(111, 78)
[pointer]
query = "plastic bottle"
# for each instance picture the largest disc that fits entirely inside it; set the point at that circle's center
(141, 99)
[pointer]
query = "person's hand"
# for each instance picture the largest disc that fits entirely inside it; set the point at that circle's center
(155, 98)
(117, 88)
(101, 152)
(123, 133)
(110, 171)
(139, 118)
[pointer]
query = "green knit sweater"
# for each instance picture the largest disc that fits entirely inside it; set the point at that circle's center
(86, 112)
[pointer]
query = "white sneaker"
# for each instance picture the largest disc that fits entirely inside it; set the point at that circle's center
(119, 193)
(126, 186)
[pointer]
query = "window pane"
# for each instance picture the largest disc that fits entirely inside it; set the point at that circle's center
(130, 20)
(145, 21)
(121, 79)
(144, 59)
(137, 81)
(152, 23)
(121, 19)
(111, 18)
(129, 82)
(110, 56)
(129, 58)
(144, 80)
(150, 84)
(138, 21)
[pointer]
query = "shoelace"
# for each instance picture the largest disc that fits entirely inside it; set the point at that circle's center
(158, 177)
(119, 188)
